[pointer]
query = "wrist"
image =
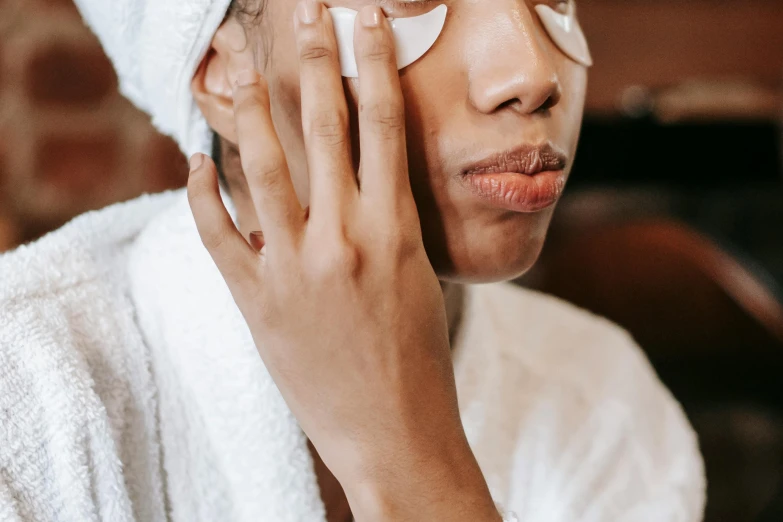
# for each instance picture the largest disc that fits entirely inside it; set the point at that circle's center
(444, 483)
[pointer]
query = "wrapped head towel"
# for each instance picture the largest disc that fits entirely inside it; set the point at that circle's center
(156, 47)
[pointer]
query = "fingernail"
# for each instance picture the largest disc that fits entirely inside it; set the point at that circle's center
(370, 16)
(247, 77)
(196, 161)
(309, 11)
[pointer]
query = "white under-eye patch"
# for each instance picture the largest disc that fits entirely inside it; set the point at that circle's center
(413, 36)
(565, 31)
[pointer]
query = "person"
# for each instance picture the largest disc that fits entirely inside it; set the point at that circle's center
(319, 328)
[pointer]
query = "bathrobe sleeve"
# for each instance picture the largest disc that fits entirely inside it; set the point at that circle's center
(78, 425)
(58, 459)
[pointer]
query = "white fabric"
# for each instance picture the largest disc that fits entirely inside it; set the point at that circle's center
(156, 47)
(130, 389)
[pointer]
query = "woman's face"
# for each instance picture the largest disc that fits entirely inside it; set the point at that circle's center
(493, 94)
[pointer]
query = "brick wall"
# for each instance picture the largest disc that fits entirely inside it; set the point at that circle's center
(68, 141)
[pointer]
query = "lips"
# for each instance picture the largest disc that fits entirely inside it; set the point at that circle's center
(527, 179)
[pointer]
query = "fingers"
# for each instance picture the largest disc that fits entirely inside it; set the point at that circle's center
(384, 163)
(263, 162)
(324, 110)
(231, 253)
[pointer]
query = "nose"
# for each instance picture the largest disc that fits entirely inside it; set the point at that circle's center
(513, 68)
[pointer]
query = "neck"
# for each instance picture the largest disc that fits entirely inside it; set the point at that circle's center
(453, 296)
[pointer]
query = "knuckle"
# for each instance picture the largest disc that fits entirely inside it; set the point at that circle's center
(314, 50)
(379, 51)
(315, 54)
(342, 261)
(408, 248)
(214, 238)
(329, 126)
(401, 245)
(265, 174)
(386, 118)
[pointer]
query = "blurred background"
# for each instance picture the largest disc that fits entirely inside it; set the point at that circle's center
(672, 224)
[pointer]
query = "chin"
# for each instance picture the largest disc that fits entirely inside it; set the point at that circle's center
(489, 252)
(511, 267)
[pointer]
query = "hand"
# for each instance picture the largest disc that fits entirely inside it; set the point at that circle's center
(343, 304)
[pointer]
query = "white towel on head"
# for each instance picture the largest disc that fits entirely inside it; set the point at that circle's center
(156, 47)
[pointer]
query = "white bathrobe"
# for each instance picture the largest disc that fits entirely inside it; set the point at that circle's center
(130, 389)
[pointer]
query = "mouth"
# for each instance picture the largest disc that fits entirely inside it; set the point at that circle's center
(529, 178)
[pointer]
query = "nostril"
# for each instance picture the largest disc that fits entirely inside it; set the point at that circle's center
(508, 103)
(518, 105)
(551, 100)
(525, 91)
(547, 105)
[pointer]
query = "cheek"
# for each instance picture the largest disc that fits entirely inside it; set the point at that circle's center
(573, 78)
(435, 96)
(574, 84)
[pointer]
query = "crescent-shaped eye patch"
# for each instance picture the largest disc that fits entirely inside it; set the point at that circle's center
(413, 36)
(565, 31)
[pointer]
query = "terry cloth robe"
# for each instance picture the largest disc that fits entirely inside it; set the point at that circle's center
(130, 389)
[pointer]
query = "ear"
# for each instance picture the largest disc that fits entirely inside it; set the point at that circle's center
(212, 85)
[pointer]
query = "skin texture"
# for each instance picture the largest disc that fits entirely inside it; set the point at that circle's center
(363, 219)
(494, 80)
